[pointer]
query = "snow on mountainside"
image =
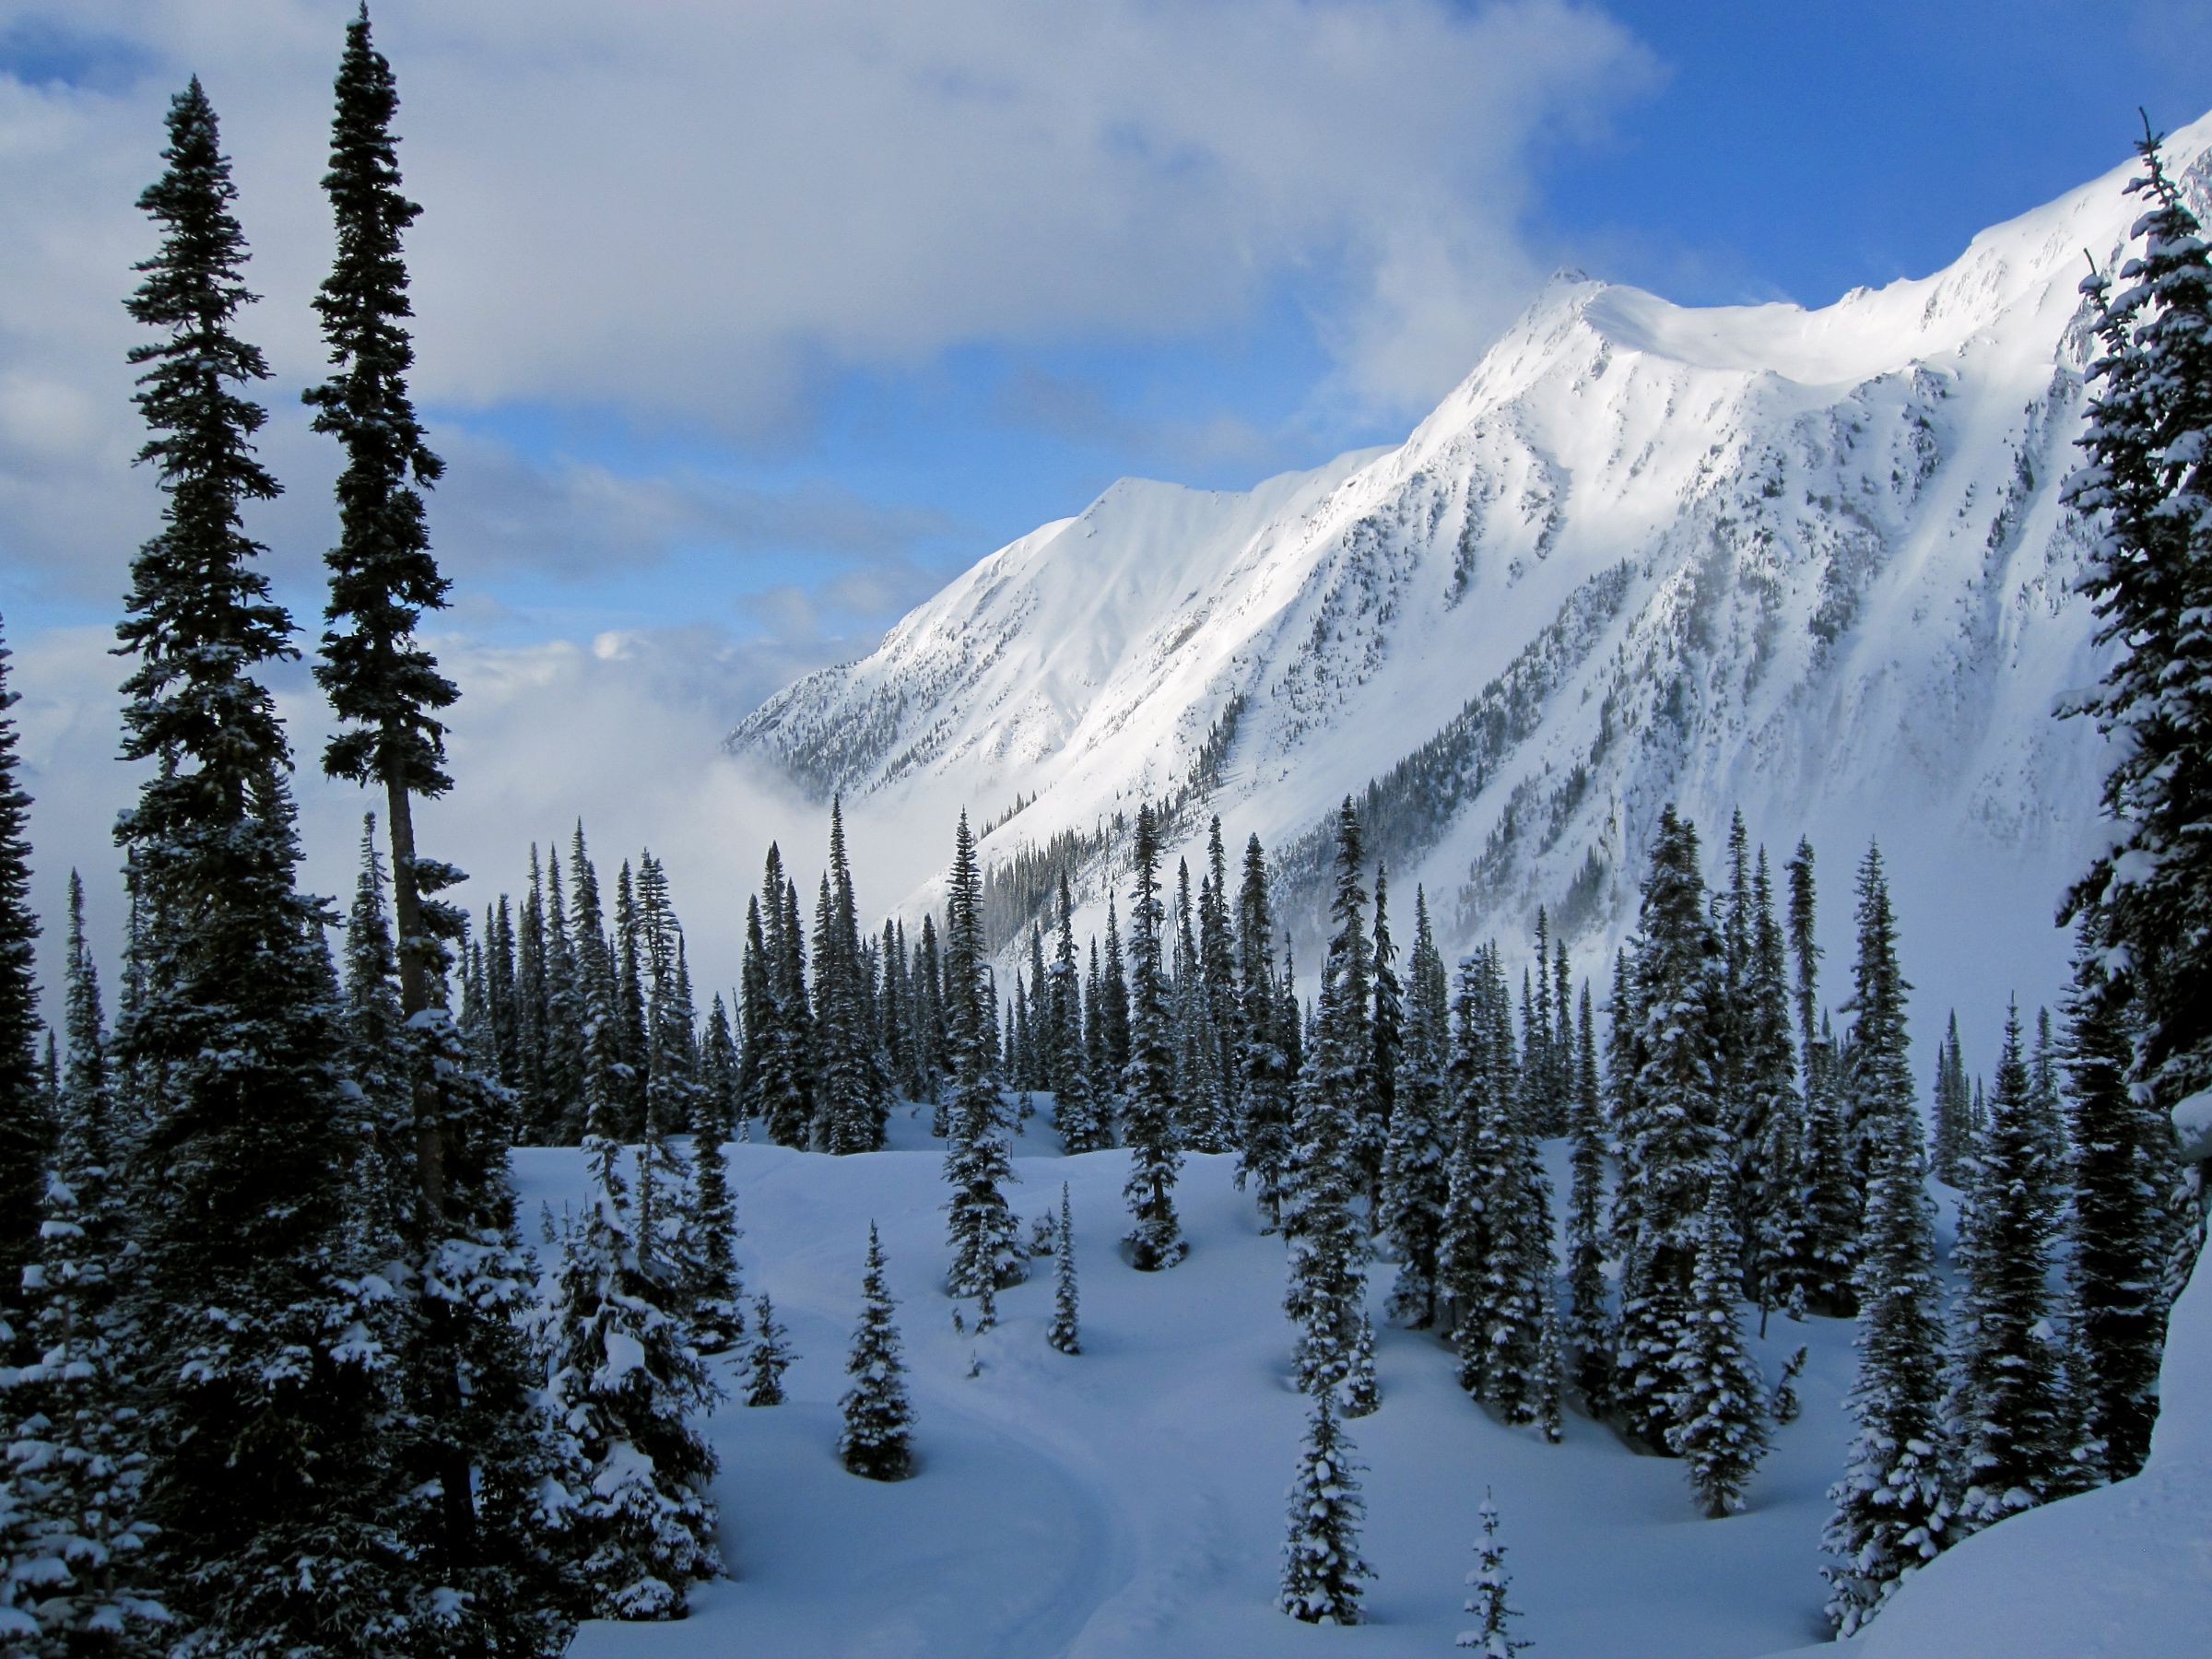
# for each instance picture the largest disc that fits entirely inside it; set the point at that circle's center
(1812, 563)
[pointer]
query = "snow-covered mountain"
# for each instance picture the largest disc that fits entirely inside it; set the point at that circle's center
(1811, 563)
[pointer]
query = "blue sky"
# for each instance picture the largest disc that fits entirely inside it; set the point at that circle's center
(1724, 152)
(742, 327)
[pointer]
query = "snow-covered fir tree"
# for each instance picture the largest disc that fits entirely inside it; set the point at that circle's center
(1147, 1103)
(1720, 1427)
(716, 1290)
(1487, 1587)
(1264, 1061)
(1589, 1333)
(2124, 1169)
(1832, 1204)
(1953, 1140)
(981, 1226)
(768, 1357)
(1326, 1295)
(1387, 1035)
(1416, 1182)
(878, 1420)
(1065, 1334)
(1669, 1134)
(1770, 1154)
(1077, 1109)
(1878, 1081)
(2146, 483)
(266, 1418)
(1891, 1512)
(2011, 1421)
(626, 1384)
(1323, 1576)
(76, 1562)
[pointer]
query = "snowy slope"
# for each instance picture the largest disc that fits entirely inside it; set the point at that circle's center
(1127, 1503)
(2111, 1574)
(1811, 563)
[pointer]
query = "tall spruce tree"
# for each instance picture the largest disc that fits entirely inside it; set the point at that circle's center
(1065, 1333)
(1891, 1510)
(2125, 1167)
(1148, 1106)
(1879, 1081)
(1589, 1333)
(1770, 1159)
(1415, 1180)
(2011, 1422)
(2146, 480)
(1719, 1426)
(1326, 1297)
(1670, 1134)
(1075, 1107)
(24, 1130)
(1264, 1061)
(981, 1225)
(267, 1417)
(1953, 1139)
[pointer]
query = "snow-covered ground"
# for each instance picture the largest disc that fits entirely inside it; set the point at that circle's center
(1129, 1500)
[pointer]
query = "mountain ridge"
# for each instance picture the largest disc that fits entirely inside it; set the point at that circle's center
(1810, 563)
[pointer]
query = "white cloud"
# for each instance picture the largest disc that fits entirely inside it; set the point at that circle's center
(622, 733)
(683, 211)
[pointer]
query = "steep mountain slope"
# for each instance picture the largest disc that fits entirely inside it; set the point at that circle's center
(1810, 563)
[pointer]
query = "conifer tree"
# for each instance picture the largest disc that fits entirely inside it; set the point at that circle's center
(716, 1291)
(267, 1418)
(625, 1382)
(1891, 1513)
(1264, 1063)
(2013, 1430)
(1148, 1106)
(1497, 1252)
(2147, 479)
(1487, 1586)
(2124, 1167)
(1224, 1003)
(1719, 1426)
(771, 1356)
(1323, 1577)
(1328, 1245)
(1879, 1097)
(1387, 1035)
(24, 1130)
(778, 1044)
(1670, 1136)
(74, 1457)
(1415, 1182)
(1589, 1335)
(1065, 1334)
(1114, 987)
(389, 696)
(718, 1055)
(1953, 1110)
(1770, 1154)
(850, 1099)
(1076, 1109)
(878, 1422)
(981, 1226)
